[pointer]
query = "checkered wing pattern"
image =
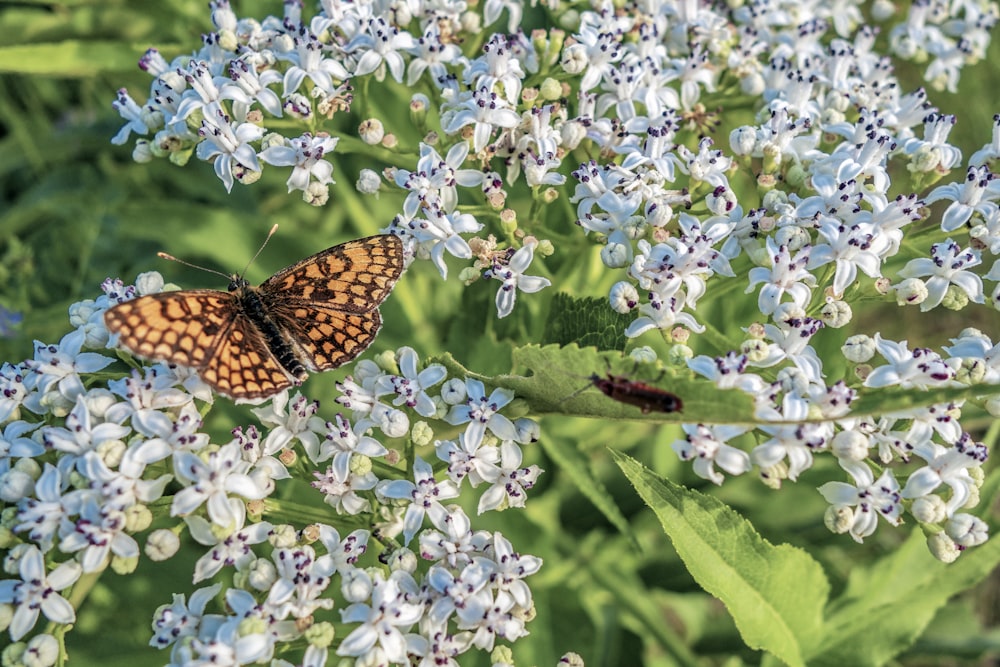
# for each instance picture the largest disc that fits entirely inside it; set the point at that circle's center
(354, 277)
(328, 303)
(317, 314)
(205, 330)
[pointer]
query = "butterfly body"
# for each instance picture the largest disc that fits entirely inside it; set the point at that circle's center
(645, 397)
(252, 342)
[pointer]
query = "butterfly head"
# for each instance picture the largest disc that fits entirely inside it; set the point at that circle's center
(237, 283)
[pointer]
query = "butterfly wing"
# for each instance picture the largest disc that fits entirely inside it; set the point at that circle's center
(325, 338)
(183, 327)
(327, 304)
(353, 277)
(243, 366)
(202, 329)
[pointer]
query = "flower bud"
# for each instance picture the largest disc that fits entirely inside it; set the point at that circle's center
(162, 544)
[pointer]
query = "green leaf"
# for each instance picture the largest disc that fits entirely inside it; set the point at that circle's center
(892, 399)
(775, 594)
(586, 321)
(560, 382)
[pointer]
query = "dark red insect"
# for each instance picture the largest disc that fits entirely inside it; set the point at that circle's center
(641, 395)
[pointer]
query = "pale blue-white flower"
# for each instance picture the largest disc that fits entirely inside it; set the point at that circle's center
(37, 592)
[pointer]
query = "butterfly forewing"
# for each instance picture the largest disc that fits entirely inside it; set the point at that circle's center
(354, 277)
(178, 327)
(251, 343)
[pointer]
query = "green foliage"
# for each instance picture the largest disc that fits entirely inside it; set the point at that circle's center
(779, 595)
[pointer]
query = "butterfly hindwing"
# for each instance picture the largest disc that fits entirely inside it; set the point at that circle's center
(325, 337)
(244, 366)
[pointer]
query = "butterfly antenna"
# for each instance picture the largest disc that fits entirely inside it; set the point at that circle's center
(163, 255)
(256, 254)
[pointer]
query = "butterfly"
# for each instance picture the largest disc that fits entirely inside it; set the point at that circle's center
(252, 342)
(645, 397)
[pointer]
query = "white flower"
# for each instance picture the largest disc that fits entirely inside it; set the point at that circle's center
(226, 142)
(920, 368)
(510, 487)
(787, 275)
(482, 412)
(947, 465)
(947, 266)
(57, 369)
(211, 480)
(36, 592)
(869, 498)
(706, 445)
(511, 274)
(425, 494)
(305, 154)
(379, 45)
(383, 622)
(485, 110)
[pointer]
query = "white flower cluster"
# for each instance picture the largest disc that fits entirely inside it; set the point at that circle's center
(809, 417)
(87, 464)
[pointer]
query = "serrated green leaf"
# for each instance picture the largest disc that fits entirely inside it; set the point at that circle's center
(560, 383)
(585, 321)
(892, 399)
(775, 594)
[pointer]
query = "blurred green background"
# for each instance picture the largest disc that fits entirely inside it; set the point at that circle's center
(75, 209)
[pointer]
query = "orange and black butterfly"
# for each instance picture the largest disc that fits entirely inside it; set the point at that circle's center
(252, 342)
